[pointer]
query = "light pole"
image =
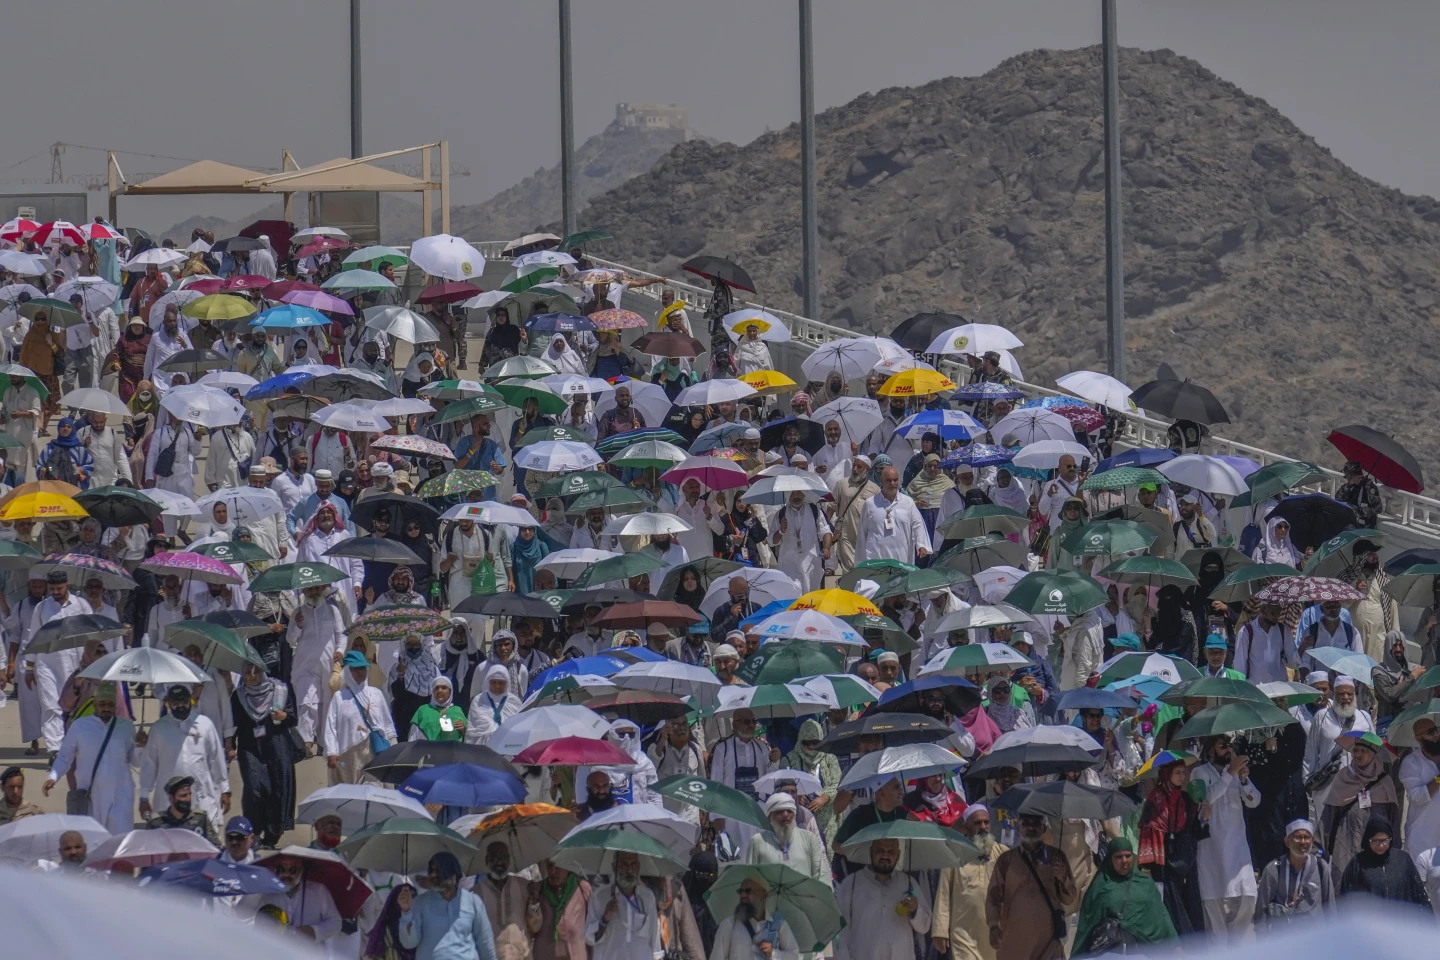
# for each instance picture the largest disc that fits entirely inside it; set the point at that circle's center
(567, 126)
(355, 131)
(1114, 266)
(810, 231)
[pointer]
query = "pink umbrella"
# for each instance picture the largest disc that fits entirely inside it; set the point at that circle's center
(572, 752)
(1289, 590)
(715, 473)
(206, 285)
(193, 566)
(320, 245)
(246, 281)
(319, 300)
(409, 443)
(58, 231)
(1087, 418)
(330, 871)
(617, 320)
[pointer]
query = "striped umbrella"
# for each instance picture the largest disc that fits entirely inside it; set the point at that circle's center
(1119, 478)
(619, 441)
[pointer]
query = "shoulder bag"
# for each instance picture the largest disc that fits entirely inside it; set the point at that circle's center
(379, 743)
(1059, 929)
(1110, 935)
(77, 801)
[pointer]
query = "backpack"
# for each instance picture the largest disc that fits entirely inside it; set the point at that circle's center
(165, 462)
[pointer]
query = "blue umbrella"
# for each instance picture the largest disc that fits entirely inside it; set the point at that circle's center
(1138, 457)
(463, 785)
(559, 323)
(1089, 698)
(765, 613)
(960, 695)
(717, 437)
(636, 655)
(950, 424)
(290, 316)
(978, 455)
(600, 665)
(277, 385)
(213, 878)
(1050, 403)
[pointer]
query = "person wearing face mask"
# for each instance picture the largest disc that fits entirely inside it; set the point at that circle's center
(459, 657)
(958, 922)
(183, 743)
(317, 633)
(100, 750)
(627, 785)
(370, 358)
(1324, 753)
(180, 813)
(356, 712)
(127, 358)
(1420, 771)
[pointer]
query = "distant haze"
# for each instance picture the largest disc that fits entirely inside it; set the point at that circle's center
(239, 82)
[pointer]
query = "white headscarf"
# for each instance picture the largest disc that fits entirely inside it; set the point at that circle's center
(627, 737)
(487, 712)
(567, 360)
(1014, 496)
(412, 372)
(438, 680)
(1276, 549)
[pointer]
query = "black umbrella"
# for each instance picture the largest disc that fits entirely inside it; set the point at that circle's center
(1403, 561)
(375, 550)
(246, 624)
(642, 707)
(119, 506)
(604, 596)
(718, 268)
(894, 728)
(192, 362)
(812, 434)
(1380, 456)
(1034, 760)
(401, 509)
(506, 605)
(72, 632)
(1180, 400)
(1064, 800)
(296, 406)
(1314, 518)
(918, 332)
(394, 765)
(347, 385)
(232, 244)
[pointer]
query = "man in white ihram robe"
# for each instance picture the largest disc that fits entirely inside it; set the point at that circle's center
(185, 745)
(112, 788)
(801, 541)
(1227, 879)
(631, 931)
(883, 908)
(355, 711)
(317, 632)
(312, 550)
(17, 635)
(51, 670)
(891, 527)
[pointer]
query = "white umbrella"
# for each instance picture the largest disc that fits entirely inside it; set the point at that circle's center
(246, 505)
(1210, 474)
(344, 416)
(670, 676)
(198, 246)
(95, 293)
(569, 564)
(489, 511)
(568, 385)
(146, 848)
(1010, 365)
(449, 257)
(397, 406)
(359, 805)
(809, 625)
(710, 392)
(998, 658)
(645, 525)
(651, 819)
(401, 323)
(995, 583)
(145, 665)
(982, 616)
(557, 456)
(1051, 734)
(893, 365)
(736, 321)
(1032, 424)
(176, 504)
(23, 264)
(909, 761)
(466, 388)
(38, 838)
(858, 417)
(178, 297)
(805, 783)
(10, 293)
(228, 380)
(975, 339)
(773, 491)
(791, 701)
(547, 723)
(544, 258)
(159, 256)
(309, 233)
(852, 356)
(97, 400)
(1098, 388)
(766, 586)
(649, 398)
(1046, 454)
(204, 406)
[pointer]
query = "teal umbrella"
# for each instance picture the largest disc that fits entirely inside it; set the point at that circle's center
(575, 484)
(1333, 557)
(1240, 584)
(714, 798)
(781, 661)
(923, 846)
(1275, 479)
(982, 519)
(1110, 537)
(1416, 586)
(890, 634)
(1119, 478)
(1149, 571)
(615, 569)
(1063, 593)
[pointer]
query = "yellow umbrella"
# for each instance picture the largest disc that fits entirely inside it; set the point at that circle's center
(916, 383)
(40, 486)
(42, 506)
(219, 307)
(770, 381)
(664, 316)
(836, 602)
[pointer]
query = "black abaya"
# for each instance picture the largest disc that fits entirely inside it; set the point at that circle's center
(266, 755)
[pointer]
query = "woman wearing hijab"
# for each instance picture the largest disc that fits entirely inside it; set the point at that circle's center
(501, 341)
(144, 406)
(669, 374)
(89, 545)
(264, 712)
(809, 758)
(418, 373)
(928, 489)
(383, 942)
(440, 719)
(564, 357)
(1072, 517)
(65, 458)
(688, 591)
(128, 358)
(1122, 906)
(410, 682)
(929, 443)
(1345, 818)
(1173, 630)
(704, 868)
(1008, 492)
(1393, 679)
(1381, 871)
(1197, 598)
(420, 543)
(492, 706)
(1277, 546)
(1169, 839)
(526, 552)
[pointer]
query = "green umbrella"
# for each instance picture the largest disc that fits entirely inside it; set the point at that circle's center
(370, 258)
(1121, 477)
(8, 440)
(619, 441)
(649, 453)
(465, 409)
(1416, 586)
(1056, 592)
(976, 658)
(1333, 557)
(1110, 537)
(457, 482)
(553, 433)
(582, 238)
(591, 852)
(219, 646)
(1233, 718)
(296, 576)
(714, 798)
(233, 551)
(923, 846)
(1215, 689)
(556, 598)
(1133, 663)
(1401, 732)
(15, 555)
(405, 845)
(517, 390)
(1240, 584)
(1150, 571)
(707, 571)
(619, 568)
(804, 903)
(574, 484)
(892, 636)
(31, 380)
(781, 661)
(982, 519)
(877, 570)
(567, 689)
(980, 553)
(612, 500)
(456, 390)
(519, 366)
(1275, 479)
(60, 313)
(921, 581)
(519, 283)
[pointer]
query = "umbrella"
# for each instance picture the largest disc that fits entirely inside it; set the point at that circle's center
(1343, 661)
(38, 837)
(1118, 478)
(649, 453)
(1379, 455)
(214, 878)
(203, 406)
(592, 851)
(915, 383)
(403, 759)
(1210, 474)
(920, 581)
(296, 576)
(949, 424)
(644, 525)
(83, 568)
(835, 602)
(1338, 555)
(713, 473)
(15, 555)
(808, 905)
(911, 761)
(93, 398)
(853, 357)
(1416, 586)
(573, 752)
(1406, 559)
(549, 723)
(558, 456)
(1063, 593)
(144, 665)
(1400, 733)
(447, 257)
(810, 626)
(983, 616)
(771, 701)
(974, 339)
(778, 662)
(352, 419)
(1275, 479)
(643, 707)
(1296, 589)
(1033, 424)
(218, 308)
(372, 257)
(1110, 537)
(405, 845)
(845, 690)
(1046, 454)
(1235, 718)
(641, 613)
(397, 623)
(245, 505)
(975, 658)
(961, 696)
(766, 586)
(721, 269)
(146, 848)
(1215, 689)
(858, 417)
(720, 801)
(918, 332)
(219, 646)
(923, 846)
(528, 830)
(1093, 698)
(68, 633)
(192, 566)
(669, 677)
(1036, 758)
(173, 503)
(1065, 800)
(981, 520)
(1150, 571)
(1180, 400)
(893, 728)
(1295, 693)
(668, 343)
(463, 785)
(41, 506)
(1131, 663)
(1242, 583)
(1098, 388)
(775, 491)
(410, 445)
(407, 508)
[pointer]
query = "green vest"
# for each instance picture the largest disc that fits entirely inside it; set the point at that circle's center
(427, 718)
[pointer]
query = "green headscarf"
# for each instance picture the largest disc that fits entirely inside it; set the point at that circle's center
(1132, 899)
(809, 730)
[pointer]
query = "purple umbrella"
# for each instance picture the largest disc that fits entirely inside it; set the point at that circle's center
(319, 300)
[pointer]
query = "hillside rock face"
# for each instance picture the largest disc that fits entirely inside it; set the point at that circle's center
(1301, 292)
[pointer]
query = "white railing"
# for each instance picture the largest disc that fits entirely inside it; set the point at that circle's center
(1412, 511)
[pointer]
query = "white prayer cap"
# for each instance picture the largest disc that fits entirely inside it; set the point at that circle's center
(799, 456)
(750, 434)
(1301, 824)
(726, 650)
(1344, 681)
(382, 470)
(37, 574)
(975, 808)
(779, 801)
(861, 458)
(889, 656)
(772, 456)
(1317, 676)
(323, 474)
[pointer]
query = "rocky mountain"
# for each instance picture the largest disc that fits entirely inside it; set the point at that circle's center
(1255, 261)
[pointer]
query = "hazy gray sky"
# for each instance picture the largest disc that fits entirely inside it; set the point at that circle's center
(239, 82)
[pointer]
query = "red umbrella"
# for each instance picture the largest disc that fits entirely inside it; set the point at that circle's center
(279, 232)
(278, 289)
(320, 245)
(58, 231)
(1289, 590)
(1086, 418)
(330, 871)
(245, 281)
(451, 292)
(641, 613)
(572, 752)
(1380, 456)
(206, 286)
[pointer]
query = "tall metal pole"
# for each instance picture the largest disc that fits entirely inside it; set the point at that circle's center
(356, 150)
(810, 230)
(567, 125)
(1114, 266)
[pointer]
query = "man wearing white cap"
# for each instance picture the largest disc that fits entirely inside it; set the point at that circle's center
(958, 925)
(1297, 884)
(100, 750)
(47, 672)
(851, 492)
(833, 458)
(1304, 713)
(1322, 751)
(802, 542)
(301, 513)
(800, 850)
(269, 533)
(17, 632)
